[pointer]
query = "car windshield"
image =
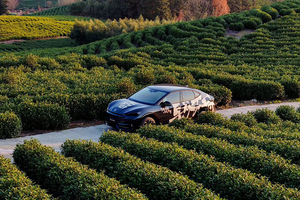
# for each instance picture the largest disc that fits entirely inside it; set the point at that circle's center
(147, 96)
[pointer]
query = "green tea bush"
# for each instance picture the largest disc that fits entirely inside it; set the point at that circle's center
(126, 86)
(250, 24)
(166, 78)
(265, 17)
(211, 118)
(265, 116)
(236, 26)
(181, 123)
(153, 180)
(251, 158)
(235, 125)
(286, 112)
(221, 94)
(15, 185)
(94, 30)
(271, 11)
(248, 119)
(289, 149)
(64, 177)
(218, 119)
(297, 10)
(262, 90)
(42, 115)
(230, 182)
(284, 12)
(10, 125)
(291, 87)
(279, 6)
(24, 27)
(144, 76)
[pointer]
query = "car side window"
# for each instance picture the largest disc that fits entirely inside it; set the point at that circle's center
(173, 97)
(196, 94)
(188, 95)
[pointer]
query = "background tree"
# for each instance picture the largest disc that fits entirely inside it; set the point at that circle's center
(197, 9)
(3, 6)
(176, 6)
(12, 4)
(220, 7)
(152, 8)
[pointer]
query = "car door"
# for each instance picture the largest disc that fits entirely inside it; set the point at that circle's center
(167, 113)
(190, 103)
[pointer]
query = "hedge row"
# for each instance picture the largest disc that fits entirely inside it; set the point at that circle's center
(15, 185)
(230, 182)
(65, 178)
(153, 180)
(10, 125)
(289, 149)
(246, 88)
(286, 112)
(259, 161)
(218, 119)
(42, 115)
(286, 130)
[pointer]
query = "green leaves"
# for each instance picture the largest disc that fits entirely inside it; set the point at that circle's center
(16, 27)
(153, 180)
(276, 168)
(230, 182)
(10, 125)
(15, 185)
(65, 178)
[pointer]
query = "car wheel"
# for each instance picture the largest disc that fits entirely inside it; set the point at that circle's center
(212, 108)
(147, 121)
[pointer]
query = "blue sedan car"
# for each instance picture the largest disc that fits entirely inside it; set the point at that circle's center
(157, 104)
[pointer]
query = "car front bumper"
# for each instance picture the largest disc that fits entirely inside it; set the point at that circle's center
(122, 122)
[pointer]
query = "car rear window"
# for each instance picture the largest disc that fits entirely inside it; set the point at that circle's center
(188, 95)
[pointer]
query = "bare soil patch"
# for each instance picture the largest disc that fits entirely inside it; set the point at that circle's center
(238, 34)
(11, 41)
(15, 41)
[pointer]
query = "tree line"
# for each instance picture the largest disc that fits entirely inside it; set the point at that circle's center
(184, 10)
(165, 9)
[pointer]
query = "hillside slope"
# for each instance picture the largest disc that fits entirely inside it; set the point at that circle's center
(84, 79)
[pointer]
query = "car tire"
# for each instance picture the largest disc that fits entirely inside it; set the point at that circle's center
(147, 121)
(212, 108)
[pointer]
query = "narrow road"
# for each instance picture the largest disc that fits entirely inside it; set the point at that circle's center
(229, 112)
(55, 139)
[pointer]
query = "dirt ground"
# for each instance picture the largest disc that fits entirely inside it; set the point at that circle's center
(15, 41)
(238, 34)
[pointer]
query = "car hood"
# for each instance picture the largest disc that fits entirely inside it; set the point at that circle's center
(123, 106)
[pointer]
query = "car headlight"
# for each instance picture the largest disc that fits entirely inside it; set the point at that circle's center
(210, 98)
(136, 113)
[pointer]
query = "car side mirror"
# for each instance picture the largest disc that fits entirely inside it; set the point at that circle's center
(166, 103)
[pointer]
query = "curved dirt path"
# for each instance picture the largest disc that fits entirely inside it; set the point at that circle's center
(55, 139)
(229, 112)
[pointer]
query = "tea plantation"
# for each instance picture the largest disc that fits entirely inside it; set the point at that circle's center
(209, 158)
(45, 85)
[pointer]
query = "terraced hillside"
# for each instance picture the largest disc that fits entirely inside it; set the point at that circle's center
(81, 81)
(251, 156)
(13, 27)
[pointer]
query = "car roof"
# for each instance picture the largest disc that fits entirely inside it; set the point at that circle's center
(169, 87)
